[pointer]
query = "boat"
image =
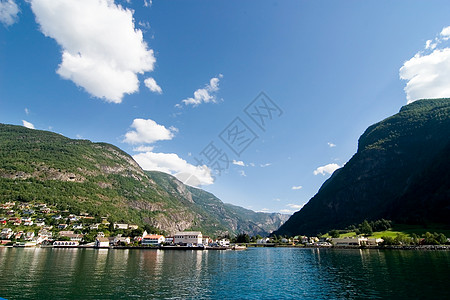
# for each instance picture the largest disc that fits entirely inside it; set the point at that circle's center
(237, 247)
(25, 244)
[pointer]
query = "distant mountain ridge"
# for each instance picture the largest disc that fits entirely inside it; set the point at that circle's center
(400, 172)
(102, 180)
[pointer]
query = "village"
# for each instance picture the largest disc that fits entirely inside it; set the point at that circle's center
(40, 225)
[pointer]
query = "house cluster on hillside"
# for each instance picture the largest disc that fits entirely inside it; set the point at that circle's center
(31, 224)
(36, 223)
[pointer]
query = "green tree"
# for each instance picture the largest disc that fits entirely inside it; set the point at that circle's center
(365, 228)
(334, 233)
(243, 238)
(442, 239)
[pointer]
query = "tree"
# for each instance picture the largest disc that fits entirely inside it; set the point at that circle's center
(365, 228)
(243, 238)
(442, 239)
(334, 233)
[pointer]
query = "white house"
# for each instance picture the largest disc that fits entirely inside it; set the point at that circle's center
(263, 241)
(94, 226)
(121, 239)
(224, 242)
(188, 237)
(29, 235)
(102, 242)
(152, 240)
(120, 226)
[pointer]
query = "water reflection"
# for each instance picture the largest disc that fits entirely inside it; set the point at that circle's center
(251, 274)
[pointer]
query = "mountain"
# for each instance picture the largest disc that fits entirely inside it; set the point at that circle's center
(400, 172)
(102, 180)
(218, 215)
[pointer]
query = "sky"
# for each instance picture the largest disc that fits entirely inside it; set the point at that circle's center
(257, 102)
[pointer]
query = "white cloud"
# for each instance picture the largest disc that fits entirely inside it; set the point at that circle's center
(294, 206)
(242, 173)
(8, 12)
(430, 45)
(286, 211)
(148, 3)
(238, 163)
(102, 50)
(171, 163)
(265, 165)
(147, 132)
(331, 145)
(143, 149)
(152, 85)
(298, 187)
(264, 210)
(445, 33)
(205, 95)
(27, 124)
(27, 112)
(251, 164)
(277, 199)
(327, 169)
(428, 72)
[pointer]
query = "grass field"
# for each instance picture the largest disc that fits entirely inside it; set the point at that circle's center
(406, 229)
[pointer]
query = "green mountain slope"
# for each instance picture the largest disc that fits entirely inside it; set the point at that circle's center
(400, 172)
(102, 180)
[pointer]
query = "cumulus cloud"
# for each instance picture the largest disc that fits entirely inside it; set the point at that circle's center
(428, 72)
(265, 165)
(171, 163)
(9, 12)
(298, 187)
(238, 163)
(102, 51)
(152, 85)
(206, 94)
(27, 124)
(148, 132)
(327, 169)
(27, 111)
(286, 211)
(331, 145)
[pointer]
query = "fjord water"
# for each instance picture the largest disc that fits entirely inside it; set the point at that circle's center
(263, 273)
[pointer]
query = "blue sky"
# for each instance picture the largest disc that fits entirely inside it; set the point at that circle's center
(163, 79)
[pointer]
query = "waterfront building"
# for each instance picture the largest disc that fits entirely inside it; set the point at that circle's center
(153, 240)
(102, 242)
(188, 237)
(65, 244)
(349, 241)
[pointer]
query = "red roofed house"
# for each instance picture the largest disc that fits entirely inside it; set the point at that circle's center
(153, 240)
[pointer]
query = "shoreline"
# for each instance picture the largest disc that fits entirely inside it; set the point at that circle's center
(185, 248)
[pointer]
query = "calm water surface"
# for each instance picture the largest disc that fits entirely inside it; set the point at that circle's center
(263, 273)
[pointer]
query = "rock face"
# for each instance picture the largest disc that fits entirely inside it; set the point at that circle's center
(103, 180)
(400, 172)
(220, 217)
